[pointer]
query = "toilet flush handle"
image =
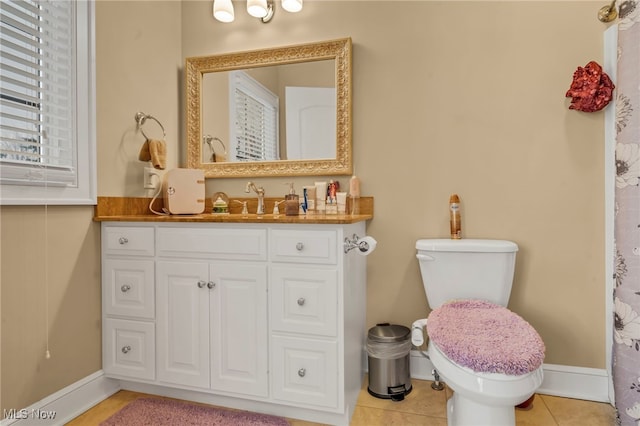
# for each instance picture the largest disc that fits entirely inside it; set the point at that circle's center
(421, 256)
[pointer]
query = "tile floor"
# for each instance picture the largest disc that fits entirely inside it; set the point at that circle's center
(426, 407)
(423, 406)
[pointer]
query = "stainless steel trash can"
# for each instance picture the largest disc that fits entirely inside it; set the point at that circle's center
(389, 351)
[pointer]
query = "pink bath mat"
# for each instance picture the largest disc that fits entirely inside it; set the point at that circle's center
(166, 412)
(485, 337)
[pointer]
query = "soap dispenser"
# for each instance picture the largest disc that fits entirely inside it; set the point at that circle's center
(291, 202)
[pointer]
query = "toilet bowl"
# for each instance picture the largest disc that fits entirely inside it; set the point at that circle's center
(489, 356)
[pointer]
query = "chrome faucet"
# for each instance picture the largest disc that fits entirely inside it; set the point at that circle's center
(260, 192)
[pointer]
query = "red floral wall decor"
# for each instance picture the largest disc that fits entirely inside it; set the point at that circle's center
(591, 89)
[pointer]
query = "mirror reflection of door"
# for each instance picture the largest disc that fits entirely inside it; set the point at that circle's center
(310, 122)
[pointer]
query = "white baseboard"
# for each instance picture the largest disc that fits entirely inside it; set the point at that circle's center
(590, 384)
(575, 382)
(64, 405)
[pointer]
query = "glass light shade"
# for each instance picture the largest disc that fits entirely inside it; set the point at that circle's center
(292, 5)
(223, 10)
(257, 8)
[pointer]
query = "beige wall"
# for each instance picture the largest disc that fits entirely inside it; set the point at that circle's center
(139, 68)
(464, 97)
(63, 299)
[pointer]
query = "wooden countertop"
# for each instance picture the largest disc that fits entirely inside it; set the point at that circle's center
(128, 209)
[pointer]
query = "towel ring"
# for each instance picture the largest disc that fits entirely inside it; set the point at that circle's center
(141, 118)
(208, 139)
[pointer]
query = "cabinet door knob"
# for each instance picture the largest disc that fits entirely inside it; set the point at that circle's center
(301, 301)
(299, 246)
(201, 284)
(125, 288)
(211, 285)
(302, 372)
(126, 349)
(123, 240)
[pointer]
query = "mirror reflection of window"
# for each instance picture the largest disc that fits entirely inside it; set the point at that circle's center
(254, 119)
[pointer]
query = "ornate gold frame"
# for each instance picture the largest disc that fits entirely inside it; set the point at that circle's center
(196, 67)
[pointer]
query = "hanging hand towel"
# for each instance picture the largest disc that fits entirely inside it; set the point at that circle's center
(155, 151)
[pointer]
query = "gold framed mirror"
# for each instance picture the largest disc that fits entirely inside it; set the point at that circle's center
(212, 144)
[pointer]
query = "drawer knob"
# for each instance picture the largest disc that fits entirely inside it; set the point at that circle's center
(123, 240)
(302, 372)
(299, 246)
(125, 288)
(126, 349)
(211, 285)
(301, 301)
(201, 284)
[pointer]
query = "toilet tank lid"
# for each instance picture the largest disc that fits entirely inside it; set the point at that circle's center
(467, 245)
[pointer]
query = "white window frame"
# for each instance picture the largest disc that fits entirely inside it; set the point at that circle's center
(84, 192)
(243, 81)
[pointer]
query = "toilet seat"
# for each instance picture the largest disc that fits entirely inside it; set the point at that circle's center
(485, 337)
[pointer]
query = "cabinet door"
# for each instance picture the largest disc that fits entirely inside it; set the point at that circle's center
(183, 323)
(239, 328)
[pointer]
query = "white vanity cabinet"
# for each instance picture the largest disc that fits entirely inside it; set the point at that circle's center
(304, 310)
(128, 302)
(266, 317)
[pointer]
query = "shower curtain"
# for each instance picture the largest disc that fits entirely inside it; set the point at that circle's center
(626, 296)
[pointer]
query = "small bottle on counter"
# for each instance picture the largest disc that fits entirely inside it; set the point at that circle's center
(354, 194)
(321, 197)
(354, 186)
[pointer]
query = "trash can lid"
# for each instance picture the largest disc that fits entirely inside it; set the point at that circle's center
(389, 333)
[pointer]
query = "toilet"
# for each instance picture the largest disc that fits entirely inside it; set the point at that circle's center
(489, 356)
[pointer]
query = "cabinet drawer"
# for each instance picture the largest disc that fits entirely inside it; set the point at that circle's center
(128, 349)
(305, 371)
(304, 300)
(128, 240)
(128, 287)
(219, 243)
(307, 246)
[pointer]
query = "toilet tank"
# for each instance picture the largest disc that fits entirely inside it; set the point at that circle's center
(466, 269)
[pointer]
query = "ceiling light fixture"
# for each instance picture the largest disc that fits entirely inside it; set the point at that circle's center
(261, 9)
(292, 5)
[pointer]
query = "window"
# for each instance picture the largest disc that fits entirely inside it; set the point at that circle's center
(47, 139)
(254, 119)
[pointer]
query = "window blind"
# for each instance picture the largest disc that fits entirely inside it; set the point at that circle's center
(38, 93)
(255, 120)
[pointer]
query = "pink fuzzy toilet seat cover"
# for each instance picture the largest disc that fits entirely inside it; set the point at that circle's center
(485, 337)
